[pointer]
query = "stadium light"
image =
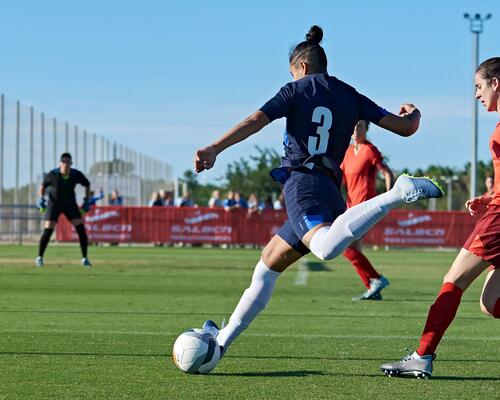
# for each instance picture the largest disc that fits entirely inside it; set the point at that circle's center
(449, 181)
(476, 22)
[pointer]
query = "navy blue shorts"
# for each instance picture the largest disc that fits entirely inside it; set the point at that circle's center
(311, 198)
(288, 235)
(70, 210)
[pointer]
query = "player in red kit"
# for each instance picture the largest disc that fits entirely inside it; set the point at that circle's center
(481, 250)
(361, 163)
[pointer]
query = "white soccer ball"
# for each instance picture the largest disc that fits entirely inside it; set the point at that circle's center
(196, 352)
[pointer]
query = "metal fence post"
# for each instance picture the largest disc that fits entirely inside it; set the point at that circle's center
(66, 137)
(54, 133)
(76, 145)
(2, 134)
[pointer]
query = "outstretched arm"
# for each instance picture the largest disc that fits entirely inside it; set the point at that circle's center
(388, 177)
(404, 124)
(205, 158)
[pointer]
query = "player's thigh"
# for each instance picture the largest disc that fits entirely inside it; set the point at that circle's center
(279, 255)
(72, 213)
(52, 215)
(465, 269)
(491, 291)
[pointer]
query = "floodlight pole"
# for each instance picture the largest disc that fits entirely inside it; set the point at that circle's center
(476, 28)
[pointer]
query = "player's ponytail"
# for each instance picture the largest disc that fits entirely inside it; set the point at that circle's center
(315, 35)
(310, 51)
(490, 69)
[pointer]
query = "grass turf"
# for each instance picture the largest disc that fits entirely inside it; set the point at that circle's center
(107, 332)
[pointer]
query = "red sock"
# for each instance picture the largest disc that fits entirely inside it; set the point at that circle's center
(441, 315)
(496, 310)
(363, 267)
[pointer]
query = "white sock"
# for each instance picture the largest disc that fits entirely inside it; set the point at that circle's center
(329, 242)
(253, 301)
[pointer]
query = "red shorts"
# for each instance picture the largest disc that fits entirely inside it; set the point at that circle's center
(484, 241)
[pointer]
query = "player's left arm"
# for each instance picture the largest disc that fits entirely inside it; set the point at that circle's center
(205, 157)
(388, 177)
(405, 124)
(86, 184)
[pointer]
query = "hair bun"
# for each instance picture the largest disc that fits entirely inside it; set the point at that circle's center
(315, 35)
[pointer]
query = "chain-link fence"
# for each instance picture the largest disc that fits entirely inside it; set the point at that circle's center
(31, 143)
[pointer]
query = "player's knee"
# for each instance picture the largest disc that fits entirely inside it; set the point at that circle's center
(490, 306)
(323, 254)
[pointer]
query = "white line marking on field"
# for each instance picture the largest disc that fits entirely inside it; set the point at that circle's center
(271, 335)
(302, 273)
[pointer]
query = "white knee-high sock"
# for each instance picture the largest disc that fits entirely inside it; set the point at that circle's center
(329, 242)
(253, 301)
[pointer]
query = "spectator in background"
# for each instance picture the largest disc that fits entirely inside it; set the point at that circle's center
(115, 199)
(156, 200)
(167, 197)
(240, 200)
(279, 203)
(229, 202)
(253, 204)
(186, 201)
(215, 201)
(489, 182)
(94, 199)
(267, 204)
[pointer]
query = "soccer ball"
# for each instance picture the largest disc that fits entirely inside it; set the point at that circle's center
(196, 352)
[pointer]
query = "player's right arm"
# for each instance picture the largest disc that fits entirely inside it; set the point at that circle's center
(404, 124)
(205, 157)
(42, 203)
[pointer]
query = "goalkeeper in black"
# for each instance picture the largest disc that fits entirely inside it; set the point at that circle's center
(60, 184)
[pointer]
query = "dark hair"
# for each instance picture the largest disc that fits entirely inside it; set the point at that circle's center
(367, 123)
(310, 51)
(490, 69)
(65, 155)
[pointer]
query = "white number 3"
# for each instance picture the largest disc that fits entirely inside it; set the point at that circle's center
(322, 116)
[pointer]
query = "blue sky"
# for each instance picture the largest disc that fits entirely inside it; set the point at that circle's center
(166, 77)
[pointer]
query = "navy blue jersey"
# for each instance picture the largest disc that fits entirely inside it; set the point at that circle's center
(62, 189)
(321, 112)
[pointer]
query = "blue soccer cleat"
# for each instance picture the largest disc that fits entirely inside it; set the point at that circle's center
(376, 286)
(86, 262)
(212, 329)
(418, 188)
(39, 262)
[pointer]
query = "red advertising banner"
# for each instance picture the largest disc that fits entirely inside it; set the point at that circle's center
(208, 225)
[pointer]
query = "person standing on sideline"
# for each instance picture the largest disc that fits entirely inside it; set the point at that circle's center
(481, 251)
(61, 183)
(361, 163)
(489, 184)
(321, 112)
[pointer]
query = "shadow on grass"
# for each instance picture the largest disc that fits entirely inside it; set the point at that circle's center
(242, 357)
(434, 378)
(275, 374)
(267, 315)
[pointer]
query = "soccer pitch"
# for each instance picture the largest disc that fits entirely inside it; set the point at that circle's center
(107, 333)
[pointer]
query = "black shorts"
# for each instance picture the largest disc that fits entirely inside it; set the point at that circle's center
(70, 210)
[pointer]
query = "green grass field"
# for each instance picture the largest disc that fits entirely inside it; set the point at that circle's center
(107, 333)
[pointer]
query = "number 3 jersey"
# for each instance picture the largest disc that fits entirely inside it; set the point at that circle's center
(321, 112)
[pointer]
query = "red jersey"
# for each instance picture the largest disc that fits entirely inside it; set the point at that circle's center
(360, 170)
(495, 154)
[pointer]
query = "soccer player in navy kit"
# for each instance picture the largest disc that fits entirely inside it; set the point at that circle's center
(321, 112)
(61, 183)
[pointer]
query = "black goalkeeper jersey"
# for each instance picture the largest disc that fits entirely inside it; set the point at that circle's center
(62, 189)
